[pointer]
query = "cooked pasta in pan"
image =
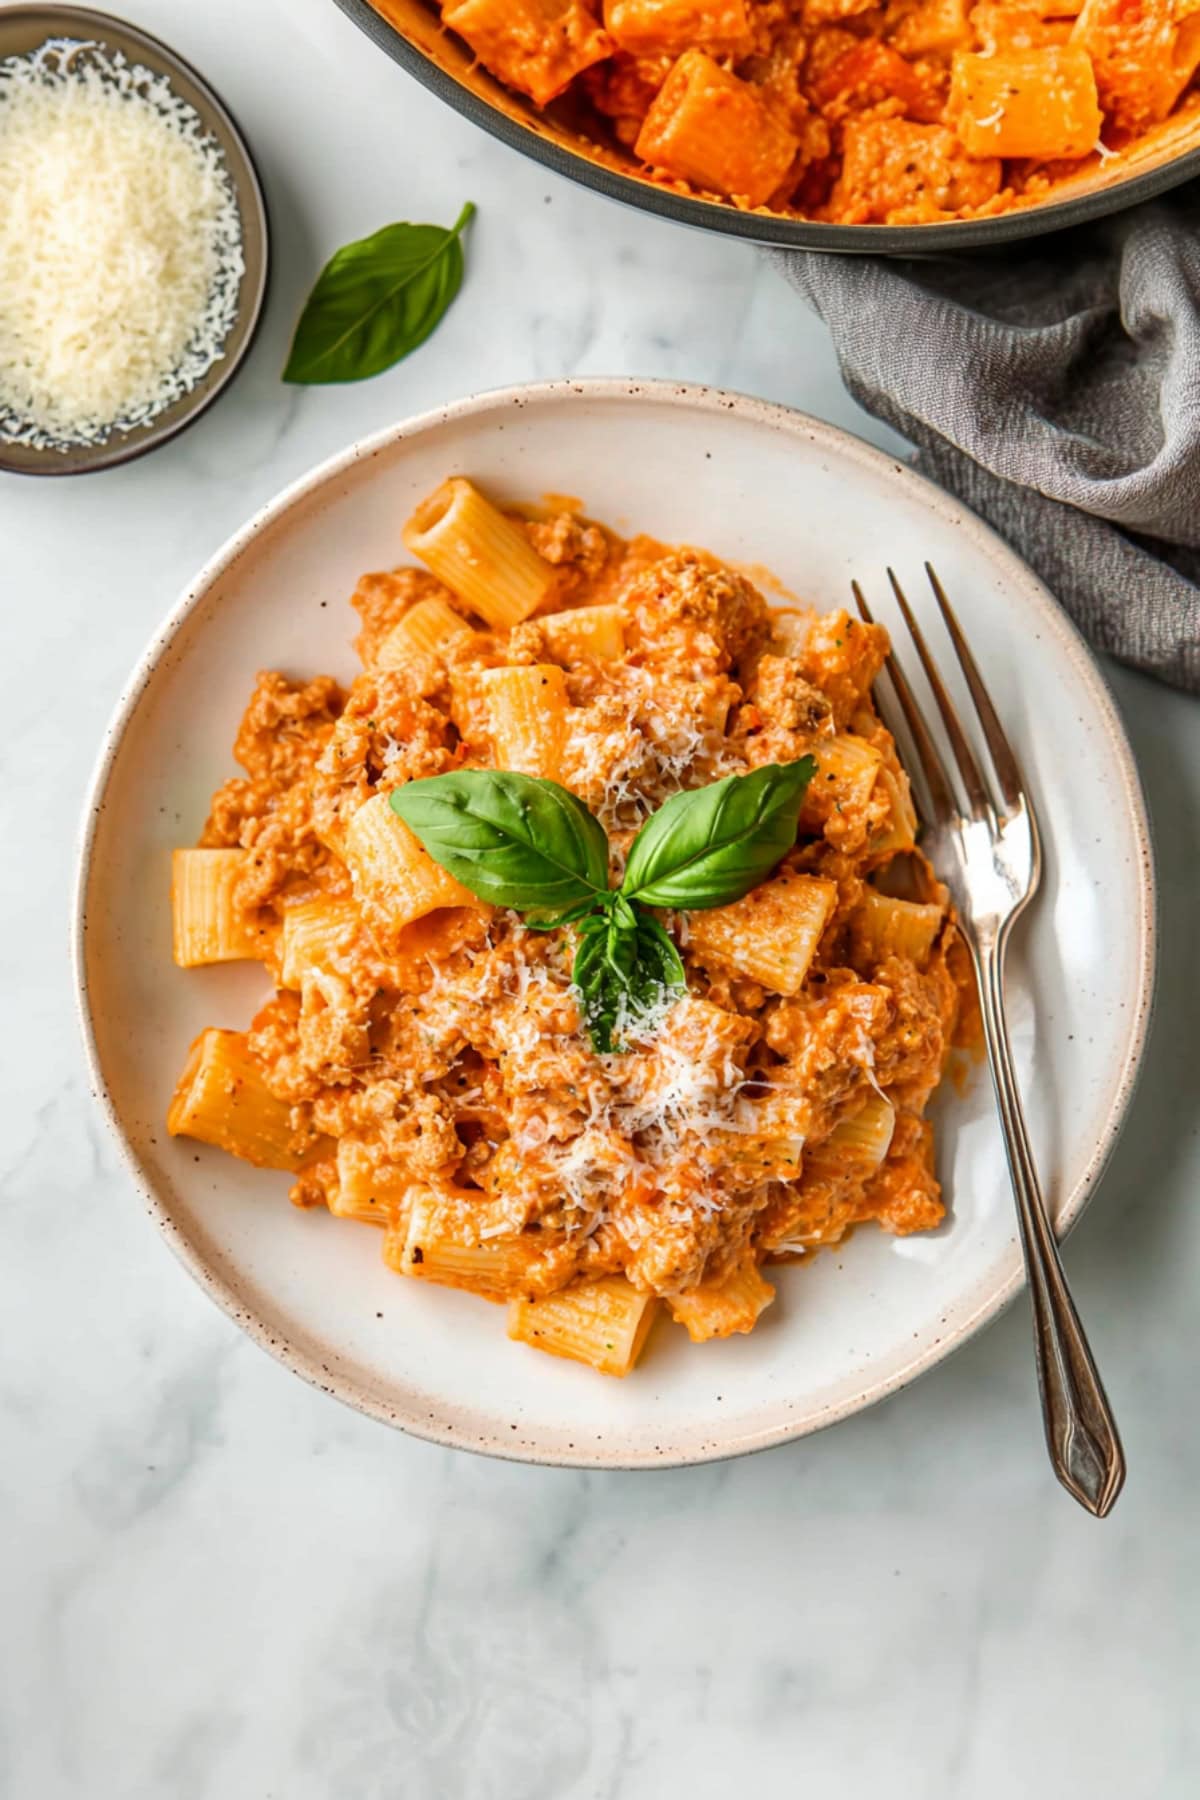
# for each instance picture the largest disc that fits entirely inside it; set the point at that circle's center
(605, 974)
(908, 112)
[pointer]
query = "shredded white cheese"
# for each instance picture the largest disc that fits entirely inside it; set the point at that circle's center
(120, 243)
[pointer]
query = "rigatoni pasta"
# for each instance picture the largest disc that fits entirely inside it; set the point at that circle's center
(431, 625)
(912, 113)
(439, 1242)
(667, 27)
(223, 1098)
(772, 935)
(898, 830)
(604, 1322)
(395, 881)
(1144, 56)
(526, 712)
(425, 1062)
(882, 926)
(583, 631)
(536, 46)
(479, 553)
(1038, 103)
(859, 1142)
(717, 1309)
(316, 934)
(709, 128)
(366, 1191)
(208, 925)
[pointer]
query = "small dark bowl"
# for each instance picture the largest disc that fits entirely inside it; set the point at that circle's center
(411, 32)
(25, 28)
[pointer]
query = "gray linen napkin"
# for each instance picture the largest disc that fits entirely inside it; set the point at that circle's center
(1055, 388)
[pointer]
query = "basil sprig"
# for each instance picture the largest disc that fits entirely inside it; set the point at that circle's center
(523, 842)
(624, 965)
(376, 300)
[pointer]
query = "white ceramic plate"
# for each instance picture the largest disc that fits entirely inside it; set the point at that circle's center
(757, 484)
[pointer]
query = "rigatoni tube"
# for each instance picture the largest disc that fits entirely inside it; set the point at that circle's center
(481, 555)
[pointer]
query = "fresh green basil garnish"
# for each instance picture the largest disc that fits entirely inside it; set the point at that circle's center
(522, 842)
(621, 972)
(602, 976)
(710, 845)
(515, 840)
(376, 300)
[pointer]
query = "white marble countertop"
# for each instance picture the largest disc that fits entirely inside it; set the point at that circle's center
(217, 1584)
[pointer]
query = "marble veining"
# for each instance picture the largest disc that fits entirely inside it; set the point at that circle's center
(216, 1583)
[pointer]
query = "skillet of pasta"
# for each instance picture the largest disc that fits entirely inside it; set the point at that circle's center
(700, 1049)
(911, 112)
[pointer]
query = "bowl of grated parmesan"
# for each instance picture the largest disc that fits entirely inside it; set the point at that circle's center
(133, 239)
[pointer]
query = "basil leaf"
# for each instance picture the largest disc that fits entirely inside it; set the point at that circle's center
(709, 846)
(620, 972)
(599, 983)
(658, 959)
(514, 840)
(376, 300)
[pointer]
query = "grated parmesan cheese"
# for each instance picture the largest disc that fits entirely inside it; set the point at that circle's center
(120, 243)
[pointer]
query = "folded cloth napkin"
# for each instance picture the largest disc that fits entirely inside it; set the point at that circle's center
(1055, 387)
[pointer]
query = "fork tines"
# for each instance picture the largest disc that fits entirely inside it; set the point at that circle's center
(943, 803)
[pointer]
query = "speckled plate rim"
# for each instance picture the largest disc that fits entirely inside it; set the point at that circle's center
(127, 447)
(710, 402)
(774, 229)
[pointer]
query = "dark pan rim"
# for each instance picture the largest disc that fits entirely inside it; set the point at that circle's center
(759, 228)
(82, 460)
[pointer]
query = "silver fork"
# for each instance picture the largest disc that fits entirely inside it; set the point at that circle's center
(989, 856)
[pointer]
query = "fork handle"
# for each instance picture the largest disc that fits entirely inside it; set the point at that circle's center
(1081, 1433)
